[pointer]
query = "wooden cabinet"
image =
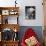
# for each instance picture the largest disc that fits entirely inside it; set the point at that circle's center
(9, 23)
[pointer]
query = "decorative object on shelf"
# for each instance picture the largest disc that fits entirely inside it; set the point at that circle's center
(5, 12)
(15, 37)
(6, 21)
(15, 3)
(13, 12)
(30, 12)
(7, 34)
(15, 29)
(15, 34)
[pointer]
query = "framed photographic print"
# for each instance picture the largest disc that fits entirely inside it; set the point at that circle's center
(5, 12)
(30, 12)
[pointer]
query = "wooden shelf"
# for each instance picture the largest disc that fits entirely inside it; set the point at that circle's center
(4, 24)
(5, 8)
(10, 43)
(11, 26)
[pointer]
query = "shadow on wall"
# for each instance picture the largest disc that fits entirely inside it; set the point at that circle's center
(37, 29)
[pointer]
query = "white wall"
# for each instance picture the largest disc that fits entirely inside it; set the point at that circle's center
(22, 3)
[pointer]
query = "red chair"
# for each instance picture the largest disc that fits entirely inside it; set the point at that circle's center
(29, 33)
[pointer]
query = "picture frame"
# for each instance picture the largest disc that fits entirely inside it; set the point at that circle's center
(5, 12)
(30, 12)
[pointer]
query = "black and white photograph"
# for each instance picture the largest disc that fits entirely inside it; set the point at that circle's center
(30, 12)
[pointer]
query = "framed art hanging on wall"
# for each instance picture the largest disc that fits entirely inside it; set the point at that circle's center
(30, 12)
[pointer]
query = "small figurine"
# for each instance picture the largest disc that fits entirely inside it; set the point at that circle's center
(6, 21)
(15, 3)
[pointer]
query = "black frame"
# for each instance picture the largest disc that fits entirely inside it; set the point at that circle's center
(30, 14)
